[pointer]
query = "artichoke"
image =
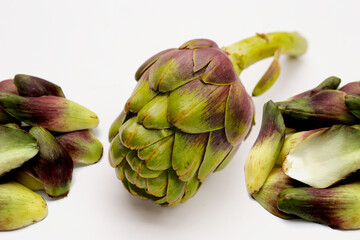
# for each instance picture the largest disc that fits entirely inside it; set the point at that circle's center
(189, 113)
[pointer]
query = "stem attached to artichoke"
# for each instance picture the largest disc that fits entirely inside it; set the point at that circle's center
(248, 51)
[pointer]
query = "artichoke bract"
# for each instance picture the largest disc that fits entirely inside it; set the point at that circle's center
(189, 113)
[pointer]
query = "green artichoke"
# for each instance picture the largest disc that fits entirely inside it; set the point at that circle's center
(189, 113)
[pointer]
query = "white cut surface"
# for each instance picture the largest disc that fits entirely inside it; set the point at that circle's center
(325, 159)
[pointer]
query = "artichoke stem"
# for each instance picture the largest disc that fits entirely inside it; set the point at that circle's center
(248, 51)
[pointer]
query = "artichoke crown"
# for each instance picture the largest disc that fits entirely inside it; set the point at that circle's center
(185, 119)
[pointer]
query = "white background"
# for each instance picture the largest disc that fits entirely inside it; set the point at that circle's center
(93, 48)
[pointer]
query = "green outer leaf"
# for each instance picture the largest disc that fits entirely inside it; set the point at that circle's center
(192, 186)
(264, 153)
(158, 155)
(119, 170)
(148, 63)
(197, 107)
(114, 128)
(135, 136)
(133, 177)
(117, 151)
(158, 186)
(216, 150)
(20, 206)
(325, 158)
(154, 114)
(139, 166)
(172, 70)
(175, 189)
(6, 117)
(239, 113)
(338, 207)
(82, 146)
(188, 152)
(141, 95)
(16, 147)
(228, 158)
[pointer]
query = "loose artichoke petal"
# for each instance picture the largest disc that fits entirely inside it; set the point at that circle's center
(325, 158)
(29, 86)
(172, 70)
(197, 107)
(133, 177)
(12, 125)
(8, 86)
(239, 113)
(351, 88)
(338, 207)
(20, 206)
(202, 57)
(28, 178)
(219, 70)
(353, 103)
(329, 83)
(158, 186)
(269, 77)
(117, 151)
(145, 66)
(191, 188)
(114, 128)
(16, 147)
(154, 114)
(267, 196)
(139, 166)
(158, 155)
(175, 189)
(293, 140)
(228, 158)
(216, 150)
(54, 165)
(320, 109)
(264, 153)
(187, 154)
(141, 95)
(135, 136)
(6, 117)
(53, 113)
(82, 146)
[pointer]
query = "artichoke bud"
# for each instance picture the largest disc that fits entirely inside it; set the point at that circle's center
(264, 153)
(82, 146)
(188, 111)
(51, 112)
(351, 88)
(326, 157)
(267, 196)
(338, 207)
(19, 206)
(16, 147)
(188, 115)
(29, 86)
(53, 165)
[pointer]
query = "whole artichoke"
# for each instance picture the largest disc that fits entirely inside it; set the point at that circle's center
(189, 113)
